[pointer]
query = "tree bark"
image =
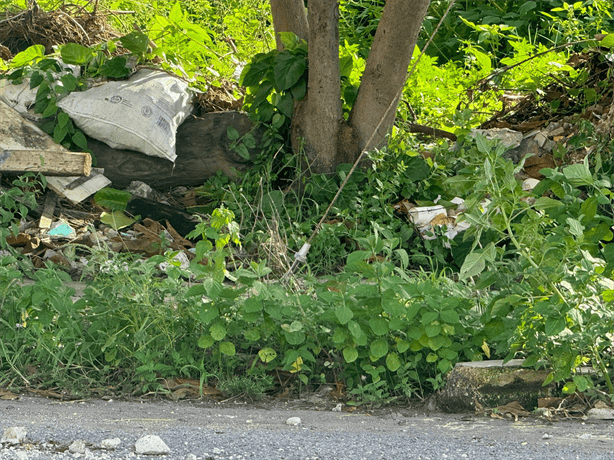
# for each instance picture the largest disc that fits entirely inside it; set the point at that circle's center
(386, 70)
(317, 118)
(289, 16)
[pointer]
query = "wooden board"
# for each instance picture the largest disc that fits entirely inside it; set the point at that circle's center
(47, 162)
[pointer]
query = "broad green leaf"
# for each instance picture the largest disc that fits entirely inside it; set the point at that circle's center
(346, 63)
(289, 39)
(607, 41)
(449, 316)
(392, 362)
(343, 314)
(115, 68)
(544, 203)
(339, 336)
(435, 343)
(350, 354)
(526, 7)
(444, 366)
(575, 228)
(429, 316)
(227, 348)
(217, 331)
(288, 70)
(195, 290)
(252, 305)
(252, 335)
(208, 313)
(295, 326)
(116, 219)
(355, 329)
(589, 208)
(482, 144)
(379, 348)
(402, 346)
(554, 326)
(379, 326)
(294, 338)
(432, 330)
(582, 383)
(431, 358)
(73, 53)
(32, 54)
(232, 133)
(475, 262)
(267, 355)
(135, 42)
(569, 388)
(205, 341)
(113, 199)
(579, 174)
(608, 295)
(285, 105)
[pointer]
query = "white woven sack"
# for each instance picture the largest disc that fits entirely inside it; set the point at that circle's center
(141, 113)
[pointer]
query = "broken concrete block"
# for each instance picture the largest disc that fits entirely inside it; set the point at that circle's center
(492, 384)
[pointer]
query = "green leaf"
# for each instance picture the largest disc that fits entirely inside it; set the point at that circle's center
(392, 362)
(554, 326)
(289, 40)
(69, 82)
(346, 63)
(569, 388)
(343, 314)
(475, 262)
(482, 144)
(227, 348)
(432, 330)
(267, 355)
(110, 198)
(589, 207)
(526, 7)
(196, 290)
(73, 53)
(435, 343)
(232, 133)
(579, 174)
(582, 383)
(350, 354)
(242, 151)
(115, 68)
(205, 341)
(217, 331)
(252, 305)
(294, 338)
(80, 140)
(431, 358)
(607, 41)
(379, 348)
(36, 79)
(355, 329)
(449, 316)
(208, 313)
(135, 42)
(402, 346)
(429, 316)
(32, 54)
(288, 69)
(379, 326)
(116, 219)
(286, 105)
(545, 203)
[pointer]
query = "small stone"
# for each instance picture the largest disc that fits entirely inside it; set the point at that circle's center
(151, 445)
(585, 436)
(77, 447)
(190, 457)
(601, 414)
(293, 421)
(546, 436)
(540, 139)
(14, 435)
(19, 455)
(112, 443)
(338, 407)
(529, 184)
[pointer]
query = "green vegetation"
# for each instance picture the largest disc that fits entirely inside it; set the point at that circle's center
(377, 307)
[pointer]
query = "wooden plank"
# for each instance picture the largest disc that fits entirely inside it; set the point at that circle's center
(65, 186)
(47, 162)
(48, 210)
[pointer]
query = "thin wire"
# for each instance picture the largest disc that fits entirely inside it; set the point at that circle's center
(366, 147)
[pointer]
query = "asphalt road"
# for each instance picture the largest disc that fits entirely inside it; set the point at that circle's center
(206, 430)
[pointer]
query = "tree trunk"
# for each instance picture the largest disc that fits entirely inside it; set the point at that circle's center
(386, 70)
(318, 117)
(289, 16)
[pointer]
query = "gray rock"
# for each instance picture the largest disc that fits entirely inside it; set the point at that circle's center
(508, 137)
(190, 457)
(293, 421)
(151, 445)
(112, 443)
(14, 435)
(601, 414)
(77, 447)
